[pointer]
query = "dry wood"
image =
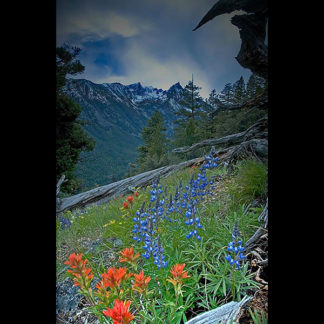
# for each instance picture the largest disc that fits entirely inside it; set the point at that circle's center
(105, 193)
(58, 189)
(257, 236)
(224, 314)
(59, 183)
(260, 102)
(253, 53)
(257, 131)
(229, 139)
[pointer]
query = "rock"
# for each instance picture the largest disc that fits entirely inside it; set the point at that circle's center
(67, 298)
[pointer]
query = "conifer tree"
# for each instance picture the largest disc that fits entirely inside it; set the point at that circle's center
(206, 123)
(255, 85)
(188, 114)
(71, 139)
(239, 92)
(226, 96)
(155, 143)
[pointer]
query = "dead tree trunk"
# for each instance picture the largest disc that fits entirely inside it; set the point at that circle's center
(58, 189)
(252, 141)
(261, 231)
(105, 193)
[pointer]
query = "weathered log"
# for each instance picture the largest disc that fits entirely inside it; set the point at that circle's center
(58, 189)
(253, 53)
(228, 6)
(257, 236)
(256, 148)
(257, 130)
(260, 102)
(59, 183)
(229, 139)
(225, 314)
(105, 193)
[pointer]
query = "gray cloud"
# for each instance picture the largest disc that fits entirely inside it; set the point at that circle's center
(152, 41)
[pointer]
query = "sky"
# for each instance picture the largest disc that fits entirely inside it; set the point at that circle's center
(151, 42)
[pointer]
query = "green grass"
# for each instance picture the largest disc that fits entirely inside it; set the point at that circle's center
(210, 280)
(249, 181)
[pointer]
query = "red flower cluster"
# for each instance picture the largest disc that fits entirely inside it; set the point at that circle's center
(114, 277)
(141, 282)
(128, 255)
(129, 200)
(178, 274)
(119, 313)
(82, 274)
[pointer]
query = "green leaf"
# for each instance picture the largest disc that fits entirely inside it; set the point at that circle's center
(224, 287)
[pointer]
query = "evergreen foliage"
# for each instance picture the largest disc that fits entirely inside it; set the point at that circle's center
(188, 115)
(71, 139)
(226, 96)
(255, 86)
(151, 154)
(239, 92)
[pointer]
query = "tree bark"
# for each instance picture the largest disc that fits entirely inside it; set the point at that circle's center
(105, 193)
(253, 53)
(259, 130)
(256, 238)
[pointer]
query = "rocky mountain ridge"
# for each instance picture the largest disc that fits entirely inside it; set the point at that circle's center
(115, 115)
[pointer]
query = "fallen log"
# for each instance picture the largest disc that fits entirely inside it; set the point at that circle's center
(105, 193)
(225, 314)
(257, 130)
(257, 236)
(260, 102)
(58, 189)
(229, 139)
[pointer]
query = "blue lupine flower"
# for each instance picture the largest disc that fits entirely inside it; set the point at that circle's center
(65, 222)
(236, 248)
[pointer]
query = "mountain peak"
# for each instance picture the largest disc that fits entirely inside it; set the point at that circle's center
(176, 86)
(136, 85)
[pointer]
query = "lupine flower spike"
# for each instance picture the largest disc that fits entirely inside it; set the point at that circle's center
(236, 248)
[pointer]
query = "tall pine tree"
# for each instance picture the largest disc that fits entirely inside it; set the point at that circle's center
(71, 140)
(239, 92)
(188, 115)
(226, 96)
(255, 85)
(152, 153)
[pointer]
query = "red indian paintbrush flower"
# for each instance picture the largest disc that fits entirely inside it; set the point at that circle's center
(80, 271)
(136, 194)
(114, 277)
(130, 199)
(178, 274)
(128, 255)
(125, 205)
(102, 292)
(141, 282)
(119, 313)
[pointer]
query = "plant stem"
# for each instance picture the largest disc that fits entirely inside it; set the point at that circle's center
(233, 282)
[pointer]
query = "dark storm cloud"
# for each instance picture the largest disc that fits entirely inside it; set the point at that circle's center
(151, 41)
